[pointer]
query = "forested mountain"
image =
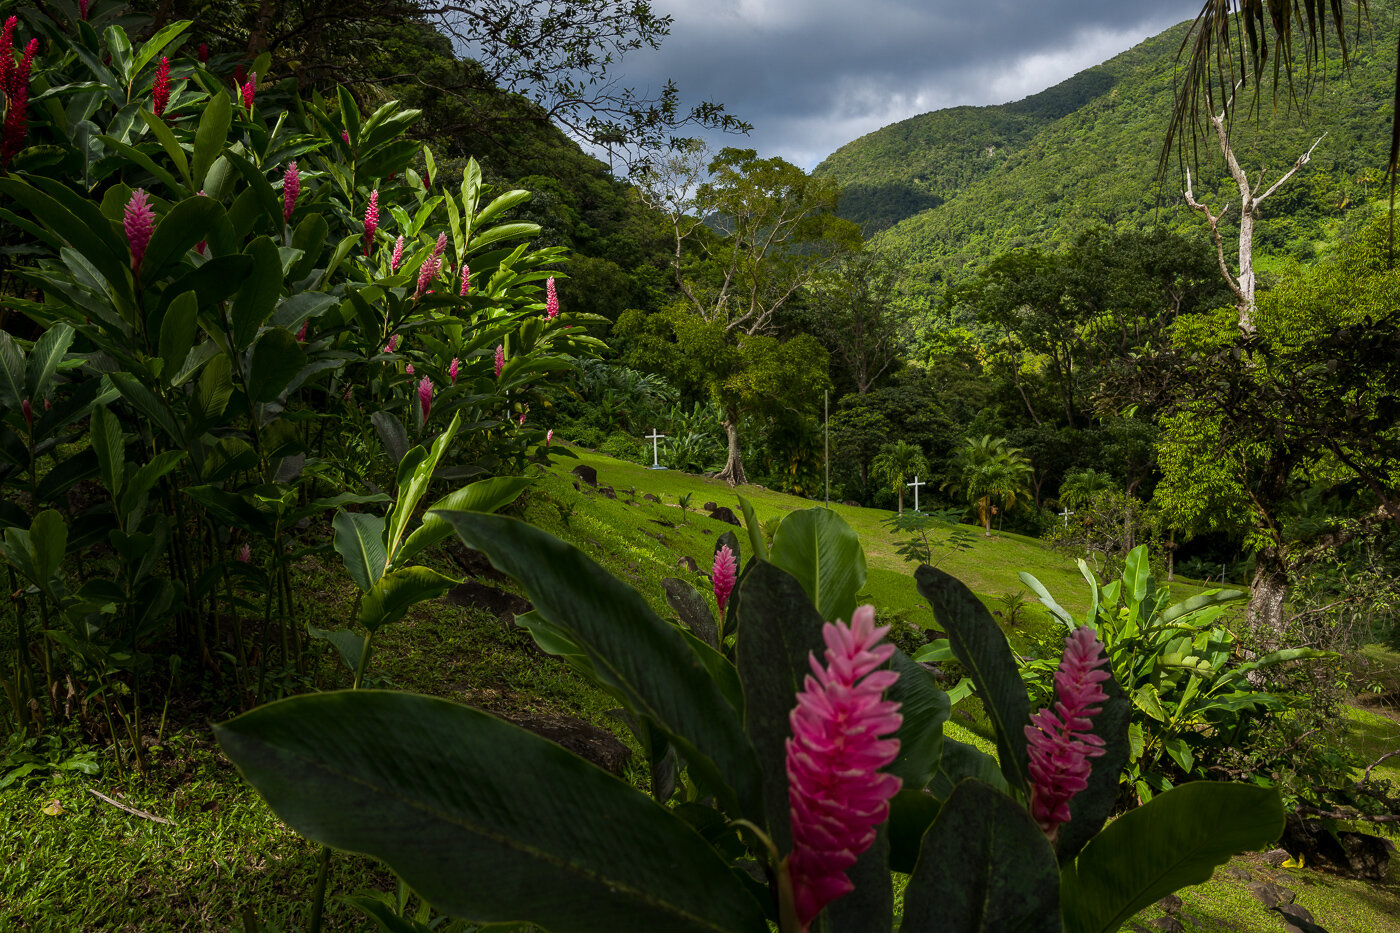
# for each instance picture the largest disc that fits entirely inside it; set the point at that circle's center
(947, 191)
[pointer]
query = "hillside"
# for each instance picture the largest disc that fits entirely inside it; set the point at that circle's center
(1084, 154)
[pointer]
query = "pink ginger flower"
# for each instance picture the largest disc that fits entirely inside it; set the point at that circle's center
(1060, 740)
(7, 57)
(522, 419)
(500, 359)
(409, 369)
(425, 396)
(82, 10)
(549, 437)
(160, 91)
(28, 411)
(203, 53)
(397, 258)
(139, 221)
(835, 791)
(431, 266)
(245, 554)
(551, 301)
(393, 344)
(16, 81)
(345, 137)
(291, 190)
(453, 369)
(466, 285)
(301, 334)
(724, 573)
(371, 219)
(250, 87)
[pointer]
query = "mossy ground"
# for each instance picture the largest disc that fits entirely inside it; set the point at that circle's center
(90, 866)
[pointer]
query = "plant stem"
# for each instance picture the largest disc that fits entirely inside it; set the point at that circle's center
(318, 896)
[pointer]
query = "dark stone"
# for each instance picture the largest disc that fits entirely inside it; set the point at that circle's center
(472, 563)
(1238, 874)
(607, 491)
(688, 563)
(584, 739)
(505, 606)
(725, 514)
(1296, 913)
(649, 497)
(1351, 854)
(1170, 904)
(710, 506)
(1166, 924)
(662, 522)
(851, 502)
(586, 473)
(1270, 894)
(1276, 857)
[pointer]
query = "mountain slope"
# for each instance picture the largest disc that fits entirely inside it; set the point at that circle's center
(1086, 157)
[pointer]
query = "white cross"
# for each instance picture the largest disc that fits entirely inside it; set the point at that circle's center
(916, 484)
(654, 436)
(1065, 515)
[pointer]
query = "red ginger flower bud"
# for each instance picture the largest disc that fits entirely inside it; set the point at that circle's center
(140, 222)
(425, 396)
(17, 89)
(160, 91)
(345, 136)
(466, 280)
(371, 219)
(291, 190)
(28, 410)
(453, 369)
(551, 302)
(249, 89)
(203, 54)
(398, 255)
(724, 573)
(835, 791)
(431, 266)
(1060, 742)
(549, 437)
(500, 359)
(392, 345)
(82, 10)
(7, 57)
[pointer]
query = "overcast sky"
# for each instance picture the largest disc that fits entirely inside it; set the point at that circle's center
(812, 75)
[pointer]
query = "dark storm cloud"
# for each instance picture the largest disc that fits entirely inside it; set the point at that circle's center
(812, 75)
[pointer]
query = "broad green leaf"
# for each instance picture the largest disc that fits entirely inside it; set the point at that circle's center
(177, 233)
(485, 495)
(1174, 840)
(818, 548)
(171, 145)
(1137, 571)
(276, 360)
(109, 444)
(985, 867)
(1046, 599)
(755, 530)
(177, 331)
(210, 137)
(44, 359)
(13, 384)
(959, 762)
(48, 537)
(258, 296)
(156, 44)
(350, 646)
(409, 493)
(692, 609)
(982, 649)
(1198, 602)
(393, 594)
(90, 234)
(359, 540)
(912, 812)
(779, 630)
(483, 819)
(870, 907)
(636, 653)
(924, 708)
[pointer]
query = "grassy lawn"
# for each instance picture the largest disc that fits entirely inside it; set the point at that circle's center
(70, 861)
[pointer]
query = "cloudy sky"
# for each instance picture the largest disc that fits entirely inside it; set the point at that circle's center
(811, 75)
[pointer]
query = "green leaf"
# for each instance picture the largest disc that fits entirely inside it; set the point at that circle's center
(870, 907)
(177, 331)
(276, 359)
(818, 548)
(209, 138)
(91, 234)
(985, 867)
(409, 493)
(959, 762)
(13, 384)
(912, 812)
(485, 495)
(178, 232)
(755, 530)
(48, 537)
(156, 44)
(636, 653)
(1046, 599)
(44, 359)
(924, 708)
(779, 630)
(1174, 840)
(171, 145)
(982, 649)
(483, 819)
(392, 595)
(350, 646)
(109, 444)
(692, 609)
(1198, 602)
(359, 540)
(258, 296)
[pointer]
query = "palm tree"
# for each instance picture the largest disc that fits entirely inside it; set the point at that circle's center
(896, 461)
(1078, 488)
(988, 470)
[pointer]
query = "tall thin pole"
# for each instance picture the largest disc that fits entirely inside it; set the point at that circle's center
(826, 452)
